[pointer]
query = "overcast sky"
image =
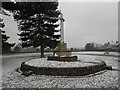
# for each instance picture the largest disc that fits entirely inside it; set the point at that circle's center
(84, 22)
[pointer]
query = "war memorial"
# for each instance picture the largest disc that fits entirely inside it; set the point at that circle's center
(62, 62)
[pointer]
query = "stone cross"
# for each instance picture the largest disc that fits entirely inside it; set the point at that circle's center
(62, 28)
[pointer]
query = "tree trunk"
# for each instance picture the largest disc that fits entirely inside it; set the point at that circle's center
(42, 51)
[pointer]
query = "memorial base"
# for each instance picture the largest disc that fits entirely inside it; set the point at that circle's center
(67, 58)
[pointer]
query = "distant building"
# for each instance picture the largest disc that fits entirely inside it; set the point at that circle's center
(17, 48)
(29, 50)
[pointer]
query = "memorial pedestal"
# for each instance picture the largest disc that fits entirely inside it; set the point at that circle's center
(62, 53)
(68, 59)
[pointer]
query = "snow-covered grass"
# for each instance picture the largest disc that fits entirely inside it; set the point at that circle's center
(111, 61)
(13, 79)
(97, 53)
(24, 54)
(107, 79)
(48, 63)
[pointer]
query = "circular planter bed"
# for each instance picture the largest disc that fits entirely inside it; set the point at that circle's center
(47, 67)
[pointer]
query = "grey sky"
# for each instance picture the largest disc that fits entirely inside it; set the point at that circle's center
(90, 21)
(84, 22)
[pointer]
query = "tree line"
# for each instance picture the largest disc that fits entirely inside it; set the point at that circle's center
(109, 46)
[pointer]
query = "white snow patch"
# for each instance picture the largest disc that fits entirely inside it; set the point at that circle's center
(43, 62)
(109, 79)
(105, 80)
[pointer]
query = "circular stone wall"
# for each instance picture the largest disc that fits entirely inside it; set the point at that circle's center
(46, 67)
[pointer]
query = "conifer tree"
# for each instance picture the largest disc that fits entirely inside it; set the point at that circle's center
(36, 23)
(6, 46)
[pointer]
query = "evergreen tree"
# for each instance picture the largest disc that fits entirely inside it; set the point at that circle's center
(1, 25)
(36, 23)
(6, 46)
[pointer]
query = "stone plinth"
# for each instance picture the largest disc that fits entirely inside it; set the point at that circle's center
(62, 53)
(62, 50)
(62, 46)
(69, 58)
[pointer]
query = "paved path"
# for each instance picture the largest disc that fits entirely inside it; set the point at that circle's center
(11, 62)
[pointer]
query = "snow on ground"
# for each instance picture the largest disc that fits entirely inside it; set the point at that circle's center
(24, 54)
(48, 63)
(111, 61)
(99, 53)
(108, 79)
